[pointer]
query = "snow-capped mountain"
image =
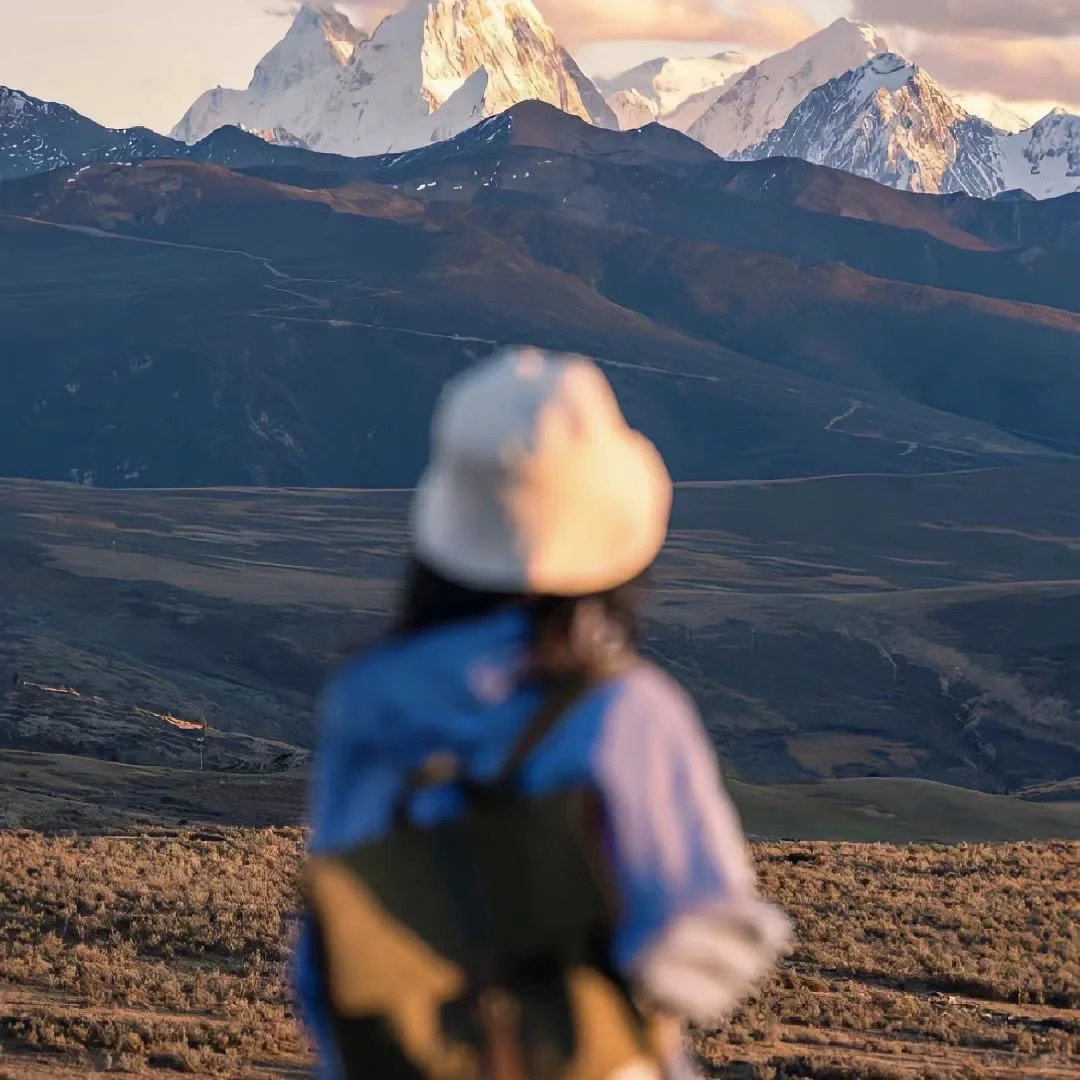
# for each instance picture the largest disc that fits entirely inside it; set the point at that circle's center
(667, 83)
(39, 136)
(426, 73)
(298, 70)
(320, 39)
(761, 100)
(686, 115)
(1044, 161)
(438, 67)
(632, 109)
(890, 121)
(989, 108)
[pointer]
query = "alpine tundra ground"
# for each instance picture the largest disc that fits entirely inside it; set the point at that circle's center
(166, 953)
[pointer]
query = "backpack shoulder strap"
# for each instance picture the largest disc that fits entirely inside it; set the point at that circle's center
(560, 698)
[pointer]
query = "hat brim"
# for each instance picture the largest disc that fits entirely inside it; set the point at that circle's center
(473, 542)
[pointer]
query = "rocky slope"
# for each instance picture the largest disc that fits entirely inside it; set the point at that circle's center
(889, 121)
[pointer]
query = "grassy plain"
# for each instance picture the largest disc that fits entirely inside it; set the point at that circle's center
(831, 629)
(165, 953)
(56, 793)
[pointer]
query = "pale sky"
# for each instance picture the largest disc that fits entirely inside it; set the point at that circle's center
(127, 62)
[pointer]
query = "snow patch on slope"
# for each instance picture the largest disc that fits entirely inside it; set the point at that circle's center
(40, 136)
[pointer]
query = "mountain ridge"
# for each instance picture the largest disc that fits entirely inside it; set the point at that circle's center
(40, 136)
(641, 247)
(436, 68)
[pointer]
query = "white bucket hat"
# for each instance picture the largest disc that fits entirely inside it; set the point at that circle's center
(537, 484)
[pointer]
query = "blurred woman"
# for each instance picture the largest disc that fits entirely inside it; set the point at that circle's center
(524, 865)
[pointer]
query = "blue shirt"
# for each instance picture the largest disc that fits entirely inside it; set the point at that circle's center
(675, 840)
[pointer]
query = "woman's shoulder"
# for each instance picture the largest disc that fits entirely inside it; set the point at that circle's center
(647, 712)
(648, 690)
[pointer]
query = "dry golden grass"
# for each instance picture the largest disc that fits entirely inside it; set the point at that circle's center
(919, 961)
(158, 954)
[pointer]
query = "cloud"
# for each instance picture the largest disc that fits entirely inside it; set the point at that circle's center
(776, 24)
(1016, 19)
(364, 13)
(759, 25)
(1021, 50)
(1023, 70)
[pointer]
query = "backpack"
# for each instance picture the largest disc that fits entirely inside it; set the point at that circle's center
(478, 948)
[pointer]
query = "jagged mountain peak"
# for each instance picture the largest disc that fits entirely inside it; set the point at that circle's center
(889, 120)
(317, 9)
(415, 80)
(845, 30)
(762, 99)
(334, 24)
(458, 37)
(1058, 119)
(895, 84)
(887, 63)
(319, 39)
(22, 108)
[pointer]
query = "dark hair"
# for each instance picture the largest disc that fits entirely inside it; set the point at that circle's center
(430, 600)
